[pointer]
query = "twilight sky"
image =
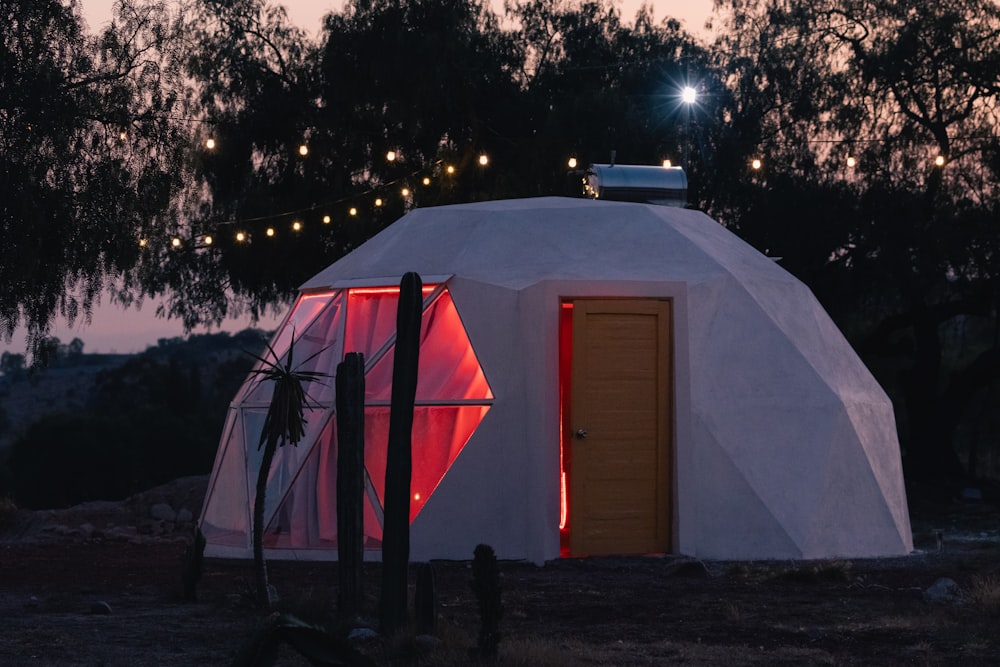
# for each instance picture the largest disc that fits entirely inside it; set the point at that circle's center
(307, 14)
(126, 331)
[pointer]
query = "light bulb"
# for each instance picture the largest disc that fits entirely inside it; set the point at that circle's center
(571, 163)
(303, 150)
(210, 144)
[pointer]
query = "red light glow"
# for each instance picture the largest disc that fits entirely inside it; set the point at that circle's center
(565, 446)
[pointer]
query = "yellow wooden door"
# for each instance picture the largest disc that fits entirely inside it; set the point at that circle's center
(621, 414)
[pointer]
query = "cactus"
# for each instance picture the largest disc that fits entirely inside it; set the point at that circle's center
(486, 585)
(350, 482)
(191, 567)
(399, 463)
(425, 600)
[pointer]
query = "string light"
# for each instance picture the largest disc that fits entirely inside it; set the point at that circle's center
(326, 220)
(667, 164)
(391, 156)
(303, 150)
(378, 201)
(571, 163)
(270, 231)
(353, 211)
(484, 159)
(208, 239)
(939, 161)
(143, 243)
(296, 226)
(241, 237)
(405, 192)
(851, 162)
(175, 242)
(210, 144)
(756, 163)
(450, 169)
(427, 180)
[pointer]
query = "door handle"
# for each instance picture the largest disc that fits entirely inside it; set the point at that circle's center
(581, 434)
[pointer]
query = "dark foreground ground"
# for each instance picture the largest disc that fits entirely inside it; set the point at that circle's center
(602, 611)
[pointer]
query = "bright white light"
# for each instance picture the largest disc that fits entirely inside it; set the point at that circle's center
(405, 192)
(484, 159)
(208, 239)
(210, 144)
(391, 156)
(571, 163)
(939, 161)
(297, 226)
(851, 162)
(689, 95)
(755, 164)
(240, 236)
(326, 220)
(303, 150)
(667, 164)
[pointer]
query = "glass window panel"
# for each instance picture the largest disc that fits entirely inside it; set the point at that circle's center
(226, 516)
(316, 349)
(287, 461)
(448, 368)
(439, 434)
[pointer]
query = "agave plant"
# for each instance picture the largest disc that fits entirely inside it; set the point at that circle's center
(284, 423)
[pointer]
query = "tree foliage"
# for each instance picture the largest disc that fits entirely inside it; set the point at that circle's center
(105, 145)
(897, 246)
(89, 162)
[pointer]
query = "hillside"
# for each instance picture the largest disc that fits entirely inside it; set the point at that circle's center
(103, 427)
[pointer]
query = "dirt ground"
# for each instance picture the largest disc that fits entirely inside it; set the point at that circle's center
(73, 601)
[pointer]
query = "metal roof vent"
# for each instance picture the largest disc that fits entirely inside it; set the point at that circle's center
(665, 186)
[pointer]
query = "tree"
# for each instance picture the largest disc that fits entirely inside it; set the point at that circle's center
(907, 243)
(90, 158)
(284, 424)
(594, 84)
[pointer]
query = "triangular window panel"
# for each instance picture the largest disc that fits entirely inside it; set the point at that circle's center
(448, 370)
(439, 434)
(316, 323)
(226, 519)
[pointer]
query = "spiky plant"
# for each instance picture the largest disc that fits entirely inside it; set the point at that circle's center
(284, 423)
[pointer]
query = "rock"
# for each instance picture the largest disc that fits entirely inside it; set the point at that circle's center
(361, 634)
(88, 530)
(184, 516)
(163, 512)
(943, 590)
(100, 607)
(972, 494)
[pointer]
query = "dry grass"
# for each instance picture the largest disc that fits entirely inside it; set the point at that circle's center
(985, 594)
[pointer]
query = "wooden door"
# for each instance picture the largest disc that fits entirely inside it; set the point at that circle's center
(621, 414)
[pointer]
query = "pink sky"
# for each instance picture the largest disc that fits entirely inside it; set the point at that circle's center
(308, 13)
(127, 331)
